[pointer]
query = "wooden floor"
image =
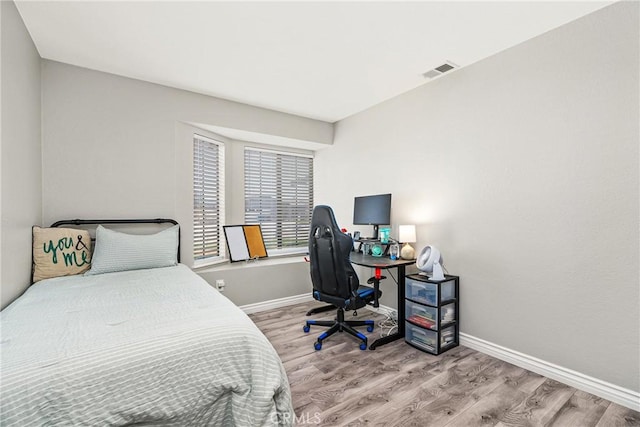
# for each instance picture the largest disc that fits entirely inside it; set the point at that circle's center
(397, 385)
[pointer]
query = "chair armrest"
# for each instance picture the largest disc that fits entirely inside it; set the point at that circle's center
(375, 281)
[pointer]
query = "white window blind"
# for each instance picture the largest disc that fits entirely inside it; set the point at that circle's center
(278, 195)
(208, 199)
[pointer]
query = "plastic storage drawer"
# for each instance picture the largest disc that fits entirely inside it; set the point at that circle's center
(427, 340)
(421, 315)
(424, 339)
(427, 292)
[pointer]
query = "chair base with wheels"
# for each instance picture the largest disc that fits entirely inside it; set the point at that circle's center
(340, 325)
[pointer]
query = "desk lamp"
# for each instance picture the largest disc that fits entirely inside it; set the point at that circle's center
(406, 235)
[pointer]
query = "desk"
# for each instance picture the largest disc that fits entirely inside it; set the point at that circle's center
(387, 263)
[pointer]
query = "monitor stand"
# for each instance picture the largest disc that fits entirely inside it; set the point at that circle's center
(376, 236)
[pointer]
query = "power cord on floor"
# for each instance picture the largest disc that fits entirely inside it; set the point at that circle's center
(389, 325)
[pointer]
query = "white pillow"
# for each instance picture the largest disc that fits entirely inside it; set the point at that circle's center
(115, 251)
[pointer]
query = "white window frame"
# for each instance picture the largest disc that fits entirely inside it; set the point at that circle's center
(250, 219)
(197, 212)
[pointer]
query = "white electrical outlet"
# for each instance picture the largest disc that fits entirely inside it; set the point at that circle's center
(220, 284)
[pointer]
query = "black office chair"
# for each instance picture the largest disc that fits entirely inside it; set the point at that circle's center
(334, 279)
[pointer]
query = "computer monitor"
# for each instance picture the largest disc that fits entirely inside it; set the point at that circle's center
(372, 210)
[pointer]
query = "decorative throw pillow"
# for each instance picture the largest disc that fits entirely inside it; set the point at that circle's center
(60, 252)
(115, 251)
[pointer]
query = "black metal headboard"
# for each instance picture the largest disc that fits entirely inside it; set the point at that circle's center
(119, 221)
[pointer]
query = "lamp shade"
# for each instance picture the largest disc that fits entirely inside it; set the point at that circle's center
(407, 233)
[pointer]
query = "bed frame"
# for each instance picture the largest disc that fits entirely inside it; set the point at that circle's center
(78, 222)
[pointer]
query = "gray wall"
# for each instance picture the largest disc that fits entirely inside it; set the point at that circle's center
(523, 170)
(117, 147)
(109, 143)
(253, 283)
(20, 152)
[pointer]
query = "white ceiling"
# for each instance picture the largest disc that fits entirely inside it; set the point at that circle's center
(323, 60)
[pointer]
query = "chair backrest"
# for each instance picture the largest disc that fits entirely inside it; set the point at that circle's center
(329, 250)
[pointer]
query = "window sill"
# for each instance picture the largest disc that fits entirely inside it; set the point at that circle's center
(262, 262)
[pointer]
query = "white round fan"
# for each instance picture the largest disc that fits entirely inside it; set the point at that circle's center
(430, 263)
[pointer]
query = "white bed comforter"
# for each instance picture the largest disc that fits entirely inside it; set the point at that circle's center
(146, 347)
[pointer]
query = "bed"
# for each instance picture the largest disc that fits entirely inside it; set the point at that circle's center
(155, 346)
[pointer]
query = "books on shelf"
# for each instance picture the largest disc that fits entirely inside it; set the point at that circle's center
(423, 321)
(422, 339)
(423, 344)
(448, 314)
(447, 336)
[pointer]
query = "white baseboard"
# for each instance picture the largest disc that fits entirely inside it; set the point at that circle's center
(612, 392)
(296, 299)
(276, 303)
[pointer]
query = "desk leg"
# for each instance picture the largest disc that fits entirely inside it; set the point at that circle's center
(385, 340)
(401, 329)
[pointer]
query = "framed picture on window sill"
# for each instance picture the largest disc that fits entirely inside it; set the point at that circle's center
(244, 242)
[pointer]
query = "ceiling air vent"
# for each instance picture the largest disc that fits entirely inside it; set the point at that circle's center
(438, 71)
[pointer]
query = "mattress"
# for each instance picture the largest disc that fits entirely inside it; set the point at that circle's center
(145, 347)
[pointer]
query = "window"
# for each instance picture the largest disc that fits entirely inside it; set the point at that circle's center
(278, 195)
(208, 199)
